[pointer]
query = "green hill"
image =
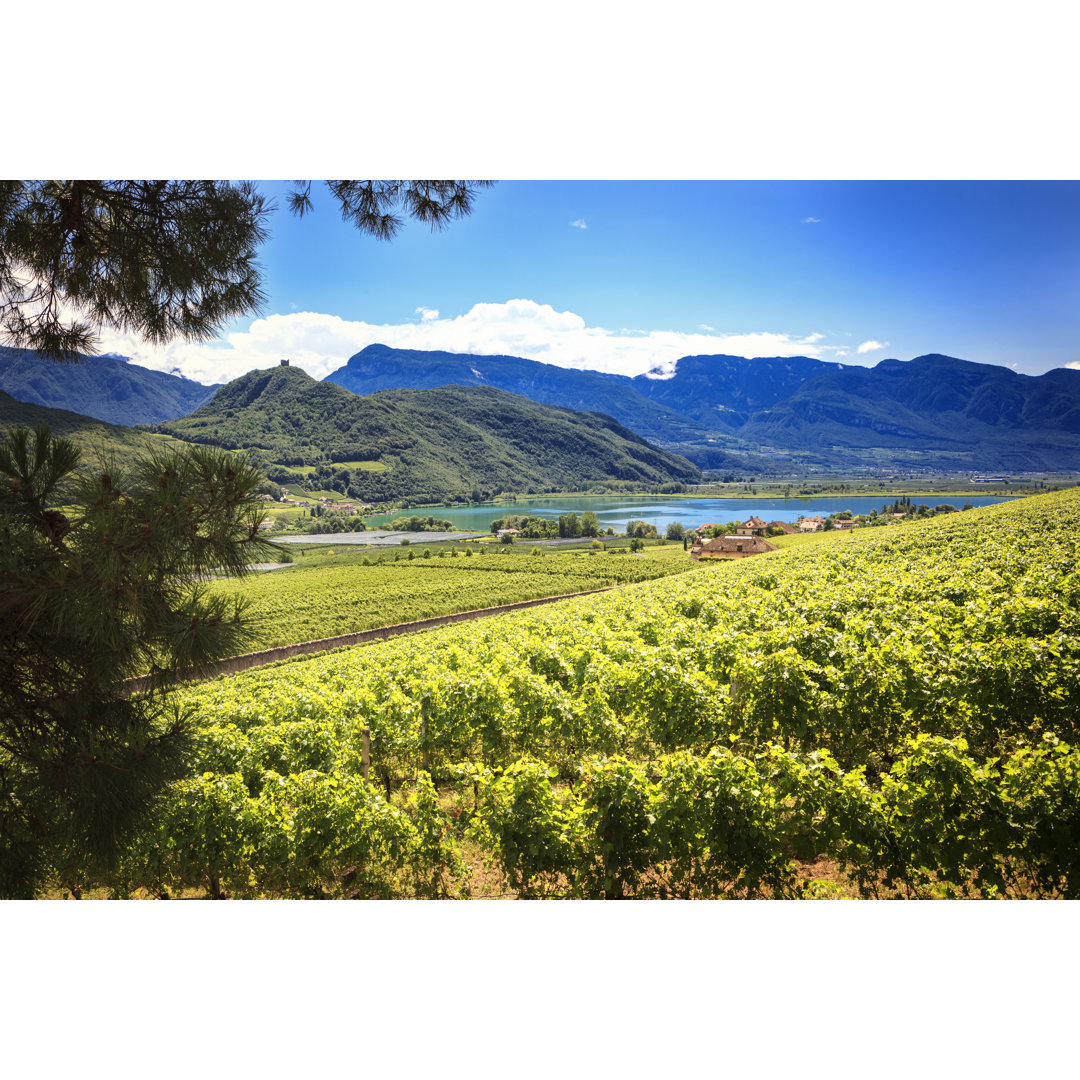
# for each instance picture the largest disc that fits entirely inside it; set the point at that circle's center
(421, 444)
(97, 440)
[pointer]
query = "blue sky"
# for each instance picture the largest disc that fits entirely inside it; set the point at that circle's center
(629, 275)
(906, 253)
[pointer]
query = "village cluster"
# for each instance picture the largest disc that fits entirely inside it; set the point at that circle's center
(749, 537)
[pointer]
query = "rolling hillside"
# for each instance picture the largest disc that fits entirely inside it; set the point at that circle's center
(99, 442)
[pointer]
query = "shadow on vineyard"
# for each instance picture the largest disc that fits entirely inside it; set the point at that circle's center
(892, 713)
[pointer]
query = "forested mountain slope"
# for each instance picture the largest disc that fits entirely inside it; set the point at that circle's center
(379, 367)
(997, 418)
(424, 443)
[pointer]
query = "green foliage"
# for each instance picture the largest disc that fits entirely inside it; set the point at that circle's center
(377, 207)
(696, 828)
(109, 589)
(306, 834)
(333, 522)
(719, 828)
(946, 815)
(536, 836)
(617, 809)
(529, 528)
(1041, 788)
(433, 858)
(163, 258)
(415, 523)
(569, 526)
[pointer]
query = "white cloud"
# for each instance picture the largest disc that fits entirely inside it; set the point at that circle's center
(703, 326)
(871, 346)
(321, 343)
(811, 221)
(1074, 364)
(579, 223)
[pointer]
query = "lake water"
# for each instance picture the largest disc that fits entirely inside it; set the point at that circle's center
(615, 511)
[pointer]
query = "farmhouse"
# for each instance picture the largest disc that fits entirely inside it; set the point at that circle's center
(753, 526)
(784, 526)
(811, 524)
(731, 547)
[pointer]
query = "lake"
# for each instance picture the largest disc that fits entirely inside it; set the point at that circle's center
(615, 511)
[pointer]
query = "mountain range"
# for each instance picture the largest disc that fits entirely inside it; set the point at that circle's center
(766, 414)
(422, 444)
(932, 412)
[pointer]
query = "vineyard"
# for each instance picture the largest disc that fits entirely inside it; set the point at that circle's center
(900, 707)
(343, 594)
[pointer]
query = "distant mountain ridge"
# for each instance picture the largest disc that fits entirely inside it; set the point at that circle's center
(703, 391)
(104, 387)
(379, 367)
(998, 418)
(936, 411)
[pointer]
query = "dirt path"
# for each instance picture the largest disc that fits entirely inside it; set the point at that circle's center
(230, 665)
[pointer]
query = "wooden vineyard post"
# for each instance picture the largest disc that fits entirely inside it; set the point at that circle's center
(365, 753)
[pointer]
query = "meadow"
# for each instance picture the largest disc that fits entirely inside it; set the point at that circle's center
(891, 713)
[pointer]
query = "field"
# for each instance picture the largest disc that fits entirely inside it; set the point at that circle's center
(329, 594)
(891, 713)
